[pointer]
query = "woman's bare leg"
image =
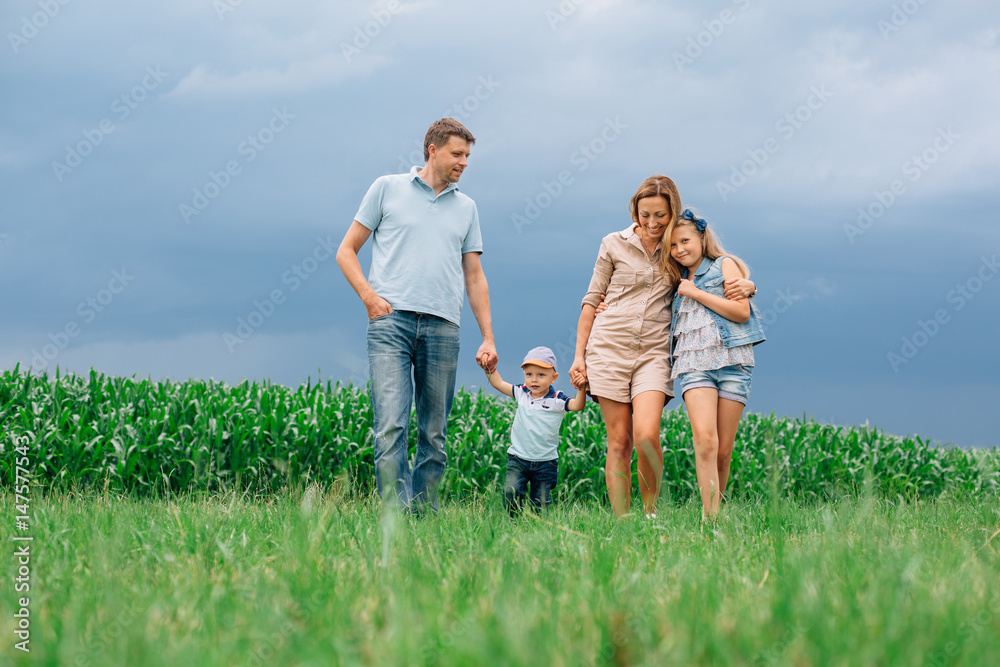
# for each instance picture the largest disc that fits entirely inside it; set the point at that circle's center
(647, 414)
(618, 465)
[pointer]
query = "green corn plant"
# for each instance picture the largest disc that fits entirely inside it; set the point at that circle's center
(142, 437)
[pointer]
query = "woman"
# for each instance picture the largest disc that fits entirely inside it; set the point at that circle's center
(625, 354)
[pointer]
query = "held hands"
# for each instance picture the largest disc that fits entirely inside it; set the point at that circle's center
(578, 373)
(487, 358)
(484, 363)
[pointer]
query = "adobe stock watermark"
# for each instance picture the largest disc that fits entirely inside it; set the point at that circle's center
(249, 148)
(21, 472)
(621, 636)
(768, 313)
(463, 110)
(266, 649)
(223, 7)
(32, 25)
(786, 126)
(294, 277)
(704, 39)
(913, 168)
(437, 648)
(581, 158)
(957, 298)
(370, 30)
(460, 111)
(87, 310)
(969, 628)
(899, 17)
(122, 107)
(96, 643)
(562, 12)
(773, 654)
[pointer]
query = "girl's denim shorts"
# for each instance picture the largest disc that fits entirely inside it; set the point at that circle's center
(733, 382)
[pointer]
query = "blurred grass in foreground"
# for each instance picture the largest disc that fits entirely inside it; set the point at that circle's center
(318, 578)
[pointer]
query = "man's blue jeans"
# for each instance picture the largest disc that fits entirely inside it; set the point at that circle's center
(401, 343)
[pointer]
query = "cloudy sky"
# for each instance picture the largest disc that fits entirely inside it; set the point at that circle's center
(175, 176)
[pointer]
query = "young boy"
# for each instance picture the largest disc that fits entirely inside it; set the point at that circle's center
(534, 436)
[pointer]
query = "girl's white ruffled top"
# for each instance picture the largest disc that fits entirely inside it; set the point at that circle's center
(699, 346)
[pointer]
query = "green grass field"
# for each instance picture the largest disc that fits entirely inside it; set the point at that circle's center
(199, 523)
(319, 578)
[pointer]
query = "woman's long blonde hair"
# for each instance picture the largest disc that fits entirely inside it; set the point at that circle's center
(709, 242)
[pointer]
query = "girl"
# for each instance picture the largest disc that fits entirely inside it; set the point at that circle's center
(711, 348)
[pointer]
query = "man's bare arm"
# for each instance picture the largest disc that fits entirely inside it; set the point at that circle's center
(479, 299)
(347, 260)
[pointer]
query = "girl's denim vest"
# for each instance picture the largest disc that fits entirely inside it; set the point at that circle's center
(709, 277)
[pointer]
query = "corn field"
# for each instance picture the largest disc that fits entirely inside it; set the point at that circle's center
(140, 437)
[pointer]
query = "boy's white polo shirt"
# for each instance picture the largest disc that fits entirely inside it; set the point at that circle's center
(534, 436)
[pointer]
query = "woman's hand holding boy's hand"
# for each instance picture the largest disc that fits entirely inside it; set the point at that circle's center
(578, 373)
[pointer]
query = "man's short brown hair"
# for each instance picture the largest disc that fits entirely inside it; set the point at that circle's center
(441, 130)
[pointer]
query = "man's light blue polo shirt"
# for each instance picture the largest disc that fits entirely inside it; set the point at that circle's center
(419, 240)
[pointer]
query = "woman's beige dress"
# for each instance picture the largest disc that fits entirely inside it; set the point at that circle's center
(628, 351)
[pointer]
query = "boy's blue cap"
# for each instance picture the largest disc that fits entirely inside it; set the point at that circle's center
(540, 356)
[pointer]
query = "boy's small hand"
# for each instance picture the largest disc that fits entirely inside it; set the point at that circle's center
(578, 374)
(486, 356)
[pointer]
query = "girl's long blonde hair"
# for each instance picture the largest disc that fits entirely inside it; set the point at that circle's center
(709, 242)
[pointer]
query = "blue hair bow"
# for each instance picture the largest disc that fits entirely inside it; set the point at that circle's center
(699, 223)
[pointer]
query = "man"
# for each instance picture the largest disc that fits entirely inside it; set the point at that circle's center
(426, 249)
